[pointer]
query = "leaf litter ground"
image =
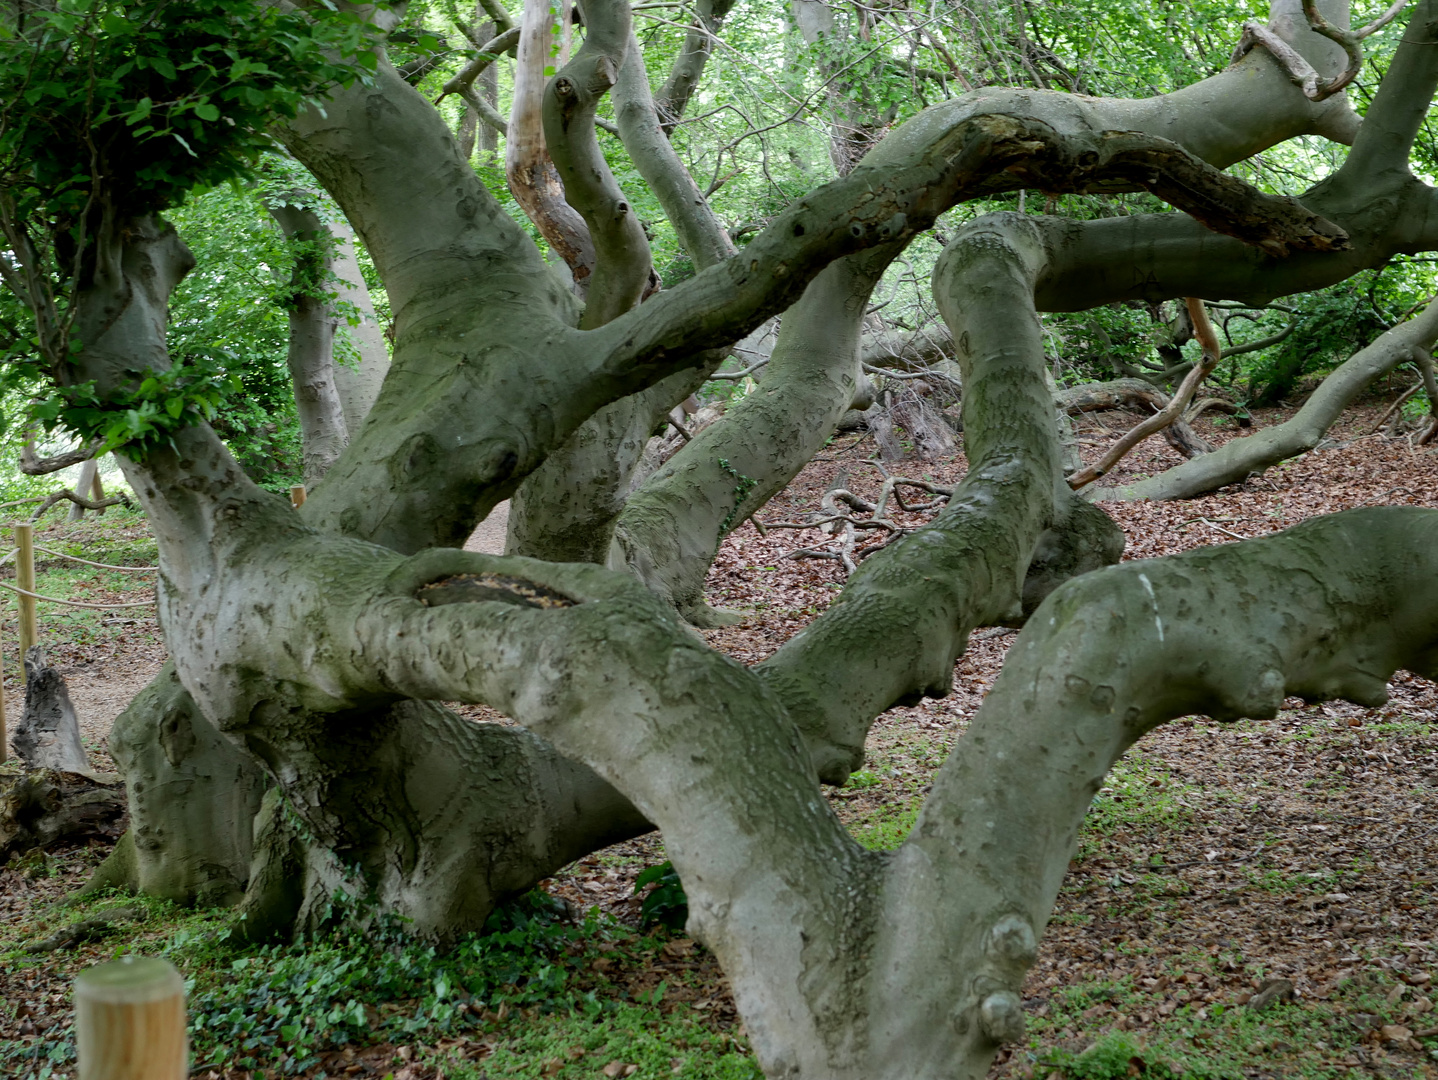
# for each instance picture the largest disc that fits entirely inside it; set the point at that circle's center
(1248, 900)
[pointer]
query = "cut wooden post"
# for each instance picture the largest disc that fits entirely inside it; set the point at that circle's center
(297, 496)
(4, 735)
(25, 579)
(130, 1021)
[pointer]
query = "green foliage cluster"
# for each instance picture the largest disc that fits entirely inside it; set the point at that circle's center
(281, 1004)
(143, 417)
(132, 104)
(116, 109)
(666, 903)
(360, 980)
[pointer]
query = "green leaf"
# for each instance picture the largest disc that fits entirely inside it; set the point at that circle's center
(206, 111)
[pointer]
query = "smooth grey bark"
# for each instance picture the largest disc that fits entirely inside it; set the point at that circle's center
(523, 312)
(384, 786)
(1241, 458)
(847, 963)
(670, 528)
(1108, 657)
(905, 616)
(351, 149)
(313, 324)
(357, 384)
(301, 642)
(309, 646)
(192, 796)
(566, 510)
(623, 264)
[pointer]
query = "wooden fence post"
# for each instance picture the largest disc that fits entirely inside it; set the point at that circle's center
(25, 579)
(297, 496)
(4, 735)
(130, 1021)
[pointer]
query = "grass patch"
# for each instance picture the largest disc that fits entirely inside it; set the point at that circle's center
(120, 538)
(1357, 1030)
(578, 1044)
(526, 988)
(886, 827)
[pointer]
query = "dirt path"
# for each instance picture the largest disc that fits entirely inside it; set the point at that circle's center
(489, 537)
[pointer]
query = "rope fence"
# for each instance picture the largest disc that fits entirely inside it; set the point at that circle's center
(87, 562)
(74, 603)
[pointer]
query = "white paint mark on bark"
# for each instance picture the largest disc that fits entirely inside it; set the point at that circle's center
(1157, 619)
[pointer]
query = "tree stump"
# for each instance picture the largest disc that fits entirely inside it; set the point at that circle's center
(48, 735)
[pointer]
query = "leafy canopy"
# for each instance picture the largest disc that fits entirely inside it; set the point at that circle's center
(140, 102)
(114, 109)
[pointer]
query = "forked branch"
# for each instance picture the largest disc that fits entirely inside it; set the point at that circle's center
(1299, 69)
(1212, 354)
(622, 259)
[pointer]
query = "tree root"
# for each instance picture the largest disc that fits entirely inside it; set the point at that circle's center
(82, 931)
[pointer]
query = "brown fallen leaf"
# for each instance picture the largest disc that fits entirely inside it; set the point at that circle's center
(679, 948)
(613, 1069)
(1270, 993)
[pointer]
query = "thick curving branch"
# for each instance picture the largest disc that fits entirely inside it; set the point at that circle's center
(931, 163)
(565, 511)
(702, 234)
(905, 616)
(623, 265)
(533, 180)
(454, 324)
(1241, 458)
(1329, 609)
(601, 669)
(671, 527)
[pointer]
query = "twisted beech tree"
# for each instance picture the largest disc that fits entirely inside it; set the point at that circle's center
(311, 648)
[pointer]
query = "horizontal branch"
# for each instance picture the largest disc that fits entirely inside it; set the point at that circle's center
(905, 183)
(31, 465)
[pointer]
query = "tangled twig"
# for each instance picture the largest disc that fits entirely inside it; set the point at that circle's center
(847, 526)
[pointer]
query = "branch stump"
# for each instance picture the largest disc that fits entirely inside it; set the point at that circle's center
(48, 735)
